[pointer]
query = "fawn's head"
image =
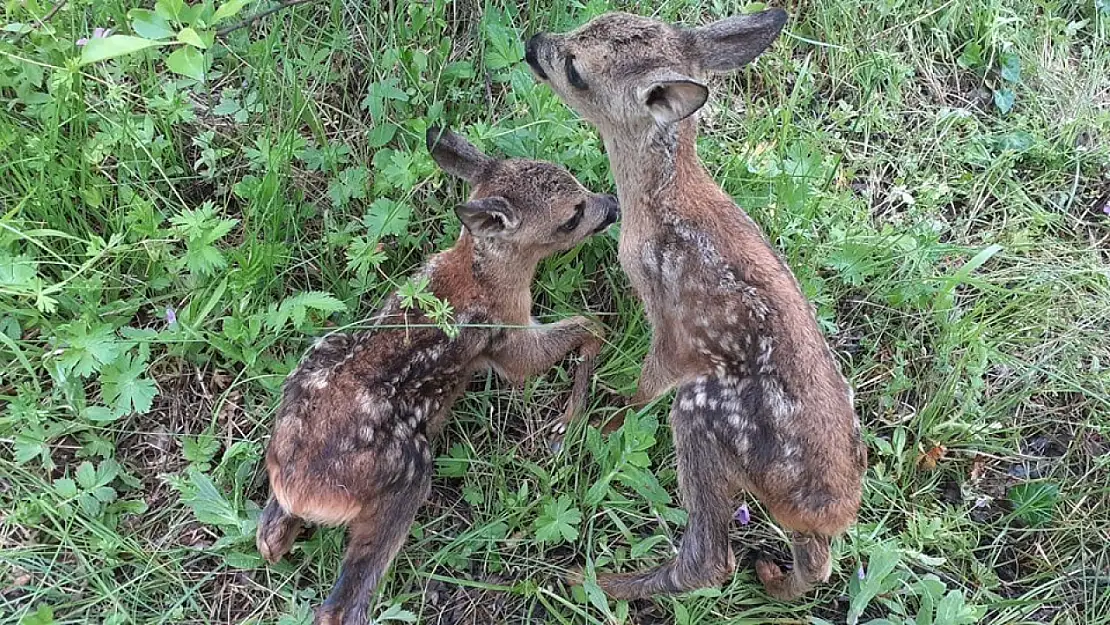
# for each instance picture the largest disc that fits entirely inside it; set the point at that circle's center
(532, 208)
(626, 72)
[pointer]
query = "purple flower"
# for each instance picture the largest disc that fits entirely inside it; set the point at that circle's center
(743, 516)
(1106, 208)
(171, 316)
(98, 33)
(861, 573)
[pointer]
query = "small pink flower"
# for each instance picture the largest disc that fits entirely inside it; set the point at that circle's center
(743, 516)
(98, 33)
(861, 573)
(171, 316)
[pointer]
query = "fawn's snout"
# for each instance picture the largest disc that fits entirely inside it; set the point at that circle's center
(531, 56)
(612, 213)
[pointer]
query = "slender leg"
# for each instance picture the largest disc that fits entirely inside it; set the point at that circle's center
(707, 473)
(376, 535)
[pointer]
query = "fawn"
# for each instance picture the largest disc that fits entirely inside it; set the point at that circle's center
(760, 404)
(352, 443)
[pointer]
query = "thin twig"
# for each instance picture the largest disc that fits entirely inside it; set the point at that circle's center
(223, 32)
(45, 18)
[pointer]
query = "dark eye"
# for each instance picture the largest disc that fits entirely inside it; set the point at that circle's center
(573, 222)
(573, 77)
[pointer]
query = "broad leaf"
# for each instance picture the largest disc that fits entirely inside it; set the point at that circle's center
(124, 386)
(559, 520)
(190, 36)
(187, 61)
(208, 503)
(115, 46)
(229, 9)
(150, 25)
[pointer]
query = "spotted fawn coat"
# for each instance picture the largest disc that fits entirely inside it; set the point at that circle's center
(358, 418)
(760, 405)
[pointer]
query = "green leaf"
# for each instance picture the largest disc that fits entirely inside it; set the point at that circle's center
(349, 184)
(952, 611)
(1034, 502)
(89, 349)
(208, 503)
(1010, 67)
(296, 308)
(190, 36)
(170, 9)
(387, 217)
(106, 472)
(65, 487)
(115, 46)
(1004, 100)
(123, 385)
(645, 546)
(884, 559)
(100, 414)
(200, 450)
(91, 505)
(86, 476)
(187, 61)
(560, 519)
(149, 25)
(381, 134)
(229, 9)
(238, 560)
(105, 494)
(944, 298)
(17, 271)
(43, 616)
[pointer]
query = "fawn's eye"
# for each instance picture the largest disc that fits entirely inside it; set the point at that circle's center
(573, 77)
(576, 219)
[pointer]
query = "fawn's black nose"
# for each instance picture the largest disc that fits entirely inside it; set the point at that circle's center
(612, 212)
(531, 57)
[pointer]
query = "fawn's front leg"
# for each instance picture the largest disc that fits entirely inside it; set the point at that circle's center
(657, 376)
(530, 351)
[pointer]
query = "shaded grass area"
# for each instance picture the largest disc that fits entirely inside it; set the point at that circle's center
(936, 174)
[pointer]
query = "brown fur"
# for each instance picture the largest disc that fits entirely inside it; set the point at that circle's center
(357, 420)
(760, 403)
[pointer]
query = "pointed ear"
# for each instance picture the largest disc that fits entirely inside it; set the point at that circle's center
(455, 155)
(673, 97)
(488, 217)
(733, 42)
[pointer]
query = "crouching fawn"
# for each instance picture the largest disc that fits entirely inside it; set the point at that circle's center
(352, 444)
(760, 404)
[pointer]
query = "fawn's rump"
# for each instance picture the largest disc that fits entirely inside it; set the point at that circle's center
(323, 504)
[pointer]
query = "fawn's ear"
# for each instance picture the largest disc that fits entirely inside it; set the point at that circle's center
(455, 155)
(733, 42)
(488, 217)
(671, 97)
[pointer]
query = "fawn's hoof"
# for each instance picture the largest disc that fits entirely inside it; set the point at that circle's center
(555, 435)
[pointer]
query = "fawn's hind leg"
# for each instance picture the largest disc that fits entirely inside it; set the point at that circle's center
(376, 535)
(707, 482)
(812, 565)
(277, 529)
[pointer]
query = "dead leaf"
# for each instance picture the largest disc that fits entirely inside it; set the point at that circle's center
(928, 460)
(978, 468)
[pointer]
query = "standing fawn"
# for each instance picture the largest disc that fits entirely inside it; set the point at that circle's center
(357, 418)
(760, 404)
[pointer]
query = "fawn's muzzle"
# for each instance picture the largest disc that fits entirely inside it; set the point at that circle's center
(612, 213)
(530, 56)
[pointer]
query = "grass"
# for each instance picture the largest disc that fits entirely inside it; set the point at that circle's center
(935, 172)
